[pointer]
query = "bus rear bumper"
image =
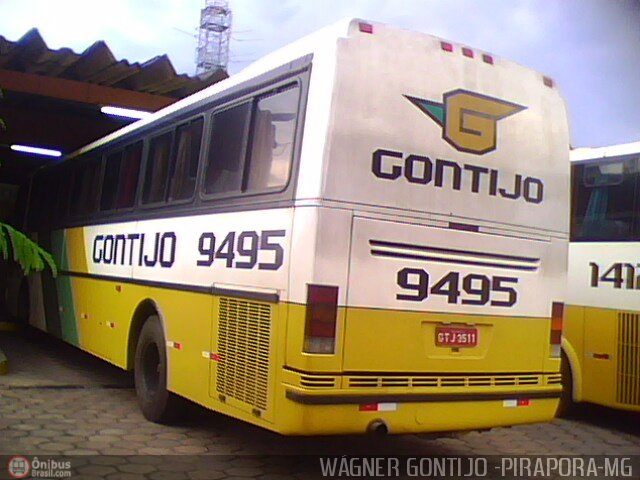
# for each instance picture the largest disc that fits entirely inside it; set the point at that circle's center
(322, 413)
(351, 399)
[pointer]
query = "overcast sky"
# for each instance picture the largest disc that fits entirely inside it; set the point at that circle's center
(590, 47)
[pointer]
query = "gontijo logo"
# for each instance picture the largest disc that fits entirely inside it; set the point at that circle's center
(468, 119)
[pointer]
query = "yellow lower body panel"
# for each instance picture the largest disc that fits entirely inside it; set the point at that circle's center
(330, 404)
(243, 357)
(400, 417)
(603, 347)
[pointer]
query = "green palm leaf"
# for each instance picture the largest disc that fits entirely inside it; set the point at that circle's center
(27, 253)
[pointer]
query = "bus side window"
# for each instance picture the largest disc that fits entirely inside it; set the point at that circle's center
(49, 193)
(110, 181)
(129, 173)
(84, 192)
(185, 162)
(91, 192)
(76, 188)
(155, 180)
(37, 201)
(603, 203)
(226, 150)
(58, 196)
(39, 213)
(272, 135)
(61, 204)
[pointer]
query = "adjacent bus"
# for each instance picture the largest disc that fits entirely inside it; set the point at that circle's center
(366, 230)
(601, 342)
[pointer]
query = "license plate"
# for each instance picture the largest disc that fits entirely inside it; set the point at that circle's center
(456, 336)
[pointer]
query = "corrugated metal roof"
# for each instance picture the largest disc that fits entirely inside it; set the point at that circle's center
(98, 65)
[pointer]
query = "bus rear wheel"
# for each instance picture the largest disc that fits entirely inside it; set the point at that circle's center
(150, 373)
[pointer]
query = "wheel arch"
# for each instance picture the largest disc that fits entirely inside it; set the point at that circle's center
(144, 310)
(574, 366)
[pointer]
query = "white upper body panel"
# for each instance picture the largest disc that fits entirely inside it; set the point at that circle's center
(417, 128)
(588, 153)
(605, 273)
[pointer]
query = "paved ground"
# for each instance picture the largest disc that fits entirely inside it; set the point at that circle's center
(60, 403)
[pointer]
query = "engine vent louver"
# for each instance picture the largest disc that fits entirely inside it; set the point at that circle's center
(244, 336)
(628, 368)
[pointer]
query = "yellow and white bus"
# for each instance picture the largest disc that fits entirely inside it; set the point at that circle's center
(601, 342)
(366, 230)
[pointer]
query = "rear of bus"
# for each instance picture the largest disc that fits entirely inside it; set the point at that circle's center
(429, 241)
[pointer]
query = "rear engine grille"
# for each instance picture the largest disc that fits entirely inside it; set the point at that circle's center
(424, 382)
(452, 381)
(243, 344)
(480, 381)
(628, 369)
(317, 381)
(553, 379)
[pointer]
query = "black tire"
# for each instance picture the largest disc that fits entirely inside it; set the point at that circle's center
(566, 407)
(150, 372)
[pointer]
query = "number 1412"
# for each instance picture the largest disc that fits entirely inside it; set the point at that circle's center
(618, 274)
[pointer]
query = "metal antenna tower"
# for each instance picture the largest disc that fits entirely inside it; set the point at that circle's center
(214, 35)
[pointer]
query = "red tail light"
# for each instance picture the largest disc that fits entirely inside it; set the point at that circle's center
(320, 322)
(555, 334)
(487, 59)
(446, 46)
(365, 27)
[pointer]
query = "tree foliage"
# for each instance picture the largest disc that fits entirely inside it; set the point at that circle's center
(27, 253)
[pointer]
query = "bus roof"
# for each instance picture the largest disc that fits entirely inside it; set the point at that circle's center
(321, 42)
(310, 44)
(588, 153)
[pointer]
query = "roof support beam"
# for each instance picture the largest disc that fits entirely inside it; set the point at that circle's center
(80, 92)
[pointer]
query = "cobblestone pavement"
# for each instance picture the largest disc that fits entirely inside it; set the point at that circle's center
(60, 403)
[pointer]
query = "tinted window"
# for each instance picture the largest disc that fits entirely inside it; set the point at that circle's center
(110, 181)
(185, 161)
(36, 201)
(603, 203)
(60, 203)
(155, 180)
(49, 194)
(128, 176)
(226, 151)
(272, 135)
(85, 186)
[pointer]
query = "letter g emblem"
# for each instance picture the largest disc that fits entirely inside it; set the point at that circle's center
(468, 119)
